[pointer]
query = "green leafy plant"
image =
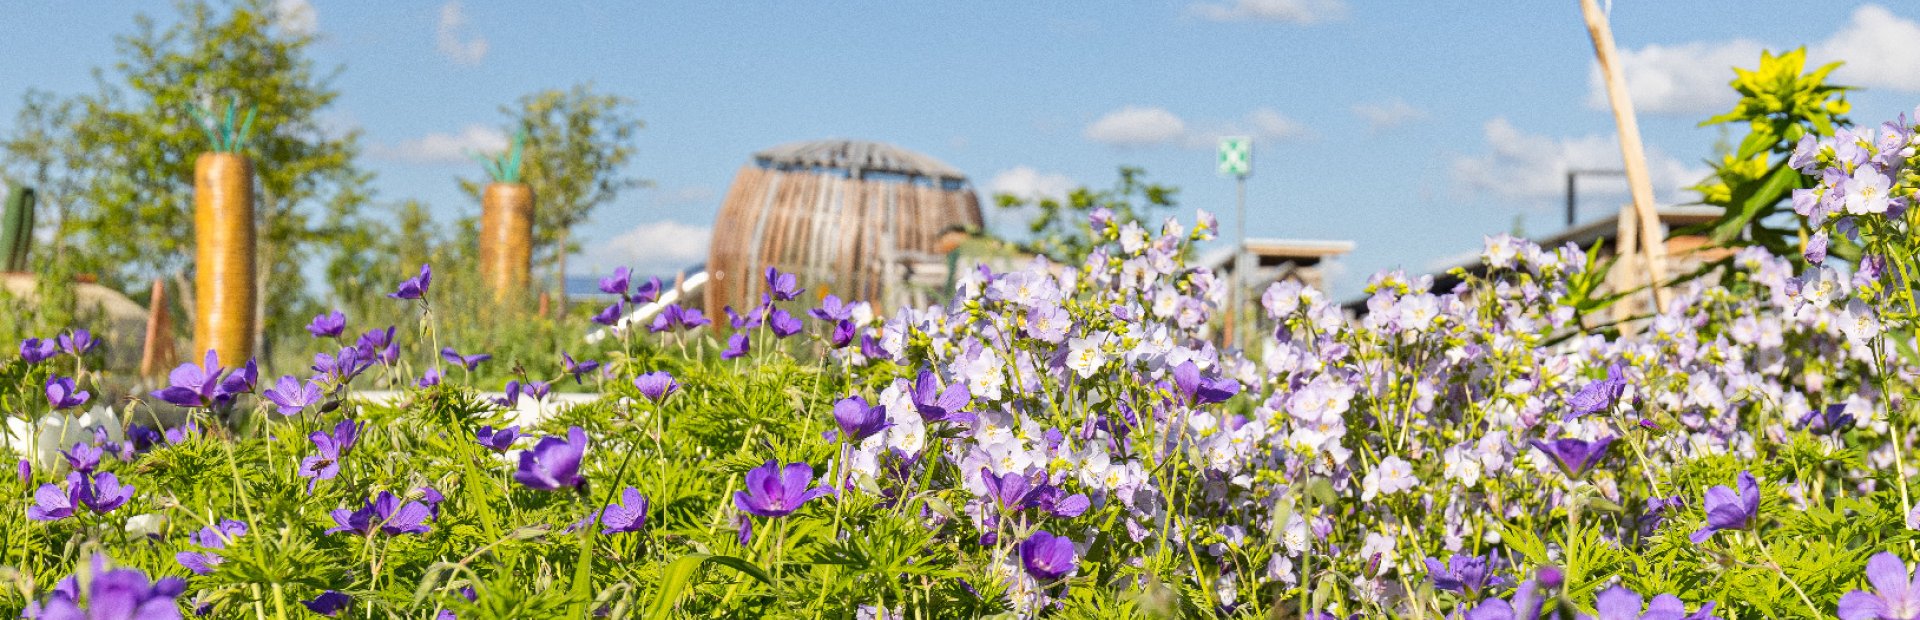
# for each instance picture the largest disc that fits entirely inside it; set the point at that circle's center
(225, 133)
(505, 167)
(1779, 103)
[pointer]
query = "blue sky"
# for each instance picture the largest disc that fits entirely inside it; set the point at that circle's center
(1411, 128)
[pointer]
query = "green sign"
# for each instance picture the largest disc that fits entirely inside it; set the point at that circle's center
(1236, 156)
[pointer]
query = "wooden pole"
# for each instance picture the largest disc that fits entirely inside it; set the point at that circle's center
(506, 238)
(156, 354)
(1653, 243)
(223, 271)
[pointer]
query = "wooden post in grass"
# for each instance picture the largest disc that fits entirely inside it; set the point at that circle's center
(156, 353)
(1653, 242)
(223, 282)
(506, 224)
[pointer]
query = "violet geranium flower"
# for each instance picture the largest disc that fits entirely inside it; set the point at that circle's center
(656, 385)
(617, 283)
(329, 603)
(1465, 574)
(468, 362)
(1599, 395)
(35, 350)
(1047, 557)
(119, 593)
(554, 463)
(1619, 603)
(783, 286)
(630, 515)
(1575, 456)
(415, 287)
(577, 367)
(937, 405)
(386, 513)
(193, 386)
(1728, 509)
(291, 396)
(858, 420)
(212, 539)
(62, 394)
(776, 491)
(737, 345)
(77, 342)
(328, 325)
(1894, 595)
(497, 440)
(332, 447)
(1201, 390)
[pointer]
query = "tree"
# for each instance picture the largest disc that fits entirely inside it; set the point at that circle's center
(134, 209)
(578, 143)
(1059, 229)
(38, 154)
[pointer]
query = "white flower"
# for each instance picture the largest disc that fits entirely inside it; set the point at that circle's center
(1084, 355)
(1392, 476)
(1417, 312)
(1461, 466)
(1867, 191)
(1500, 251)
(148, 524)
(1859, 322)
(1381, 545)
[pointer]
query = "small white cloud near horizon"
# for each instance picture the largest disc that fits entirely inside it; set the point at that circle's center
(1531, 168)
(1302, 12)
(296, 17)
(463, 50)
(1384, 115)
(1028, 183)
(653, 248)
(1137, 126)
(1879, 49)
(445, 148)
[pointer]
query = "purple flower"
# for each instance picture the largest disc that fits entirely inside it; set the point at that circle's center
(26, 472)
(610, 315)
(783, 286)
(415, 287)
(50, 503)
(1728, 509)
(749, 320)
(192, 386)
(782, 323)
(35, 350)
(83, 458)
(1832, 419)
(1203, 390)
(429, 378)
(342, 368)
(1895, 596)
(935, 404)
(1055, 501)
(775, 491)
(102, 495)
(1574, 456)
(843, 333)
(1816, 250)
(468, 362)
(330, 603)
(119, 594)
(329, 325)
(577, 367)
(1047, 557)
(1466, 574)
(617, 283)
(1619, 603)
(554, 463)
(213, 539)
(656, 385)
(240, 381)
(1599, 395)
(858, 420)
(1527, 599)
(291, 396)
(432, 498)
(647, 291)
(77, 342)
(668, 318)
(1009, 491)
(737, 345)
(500, 440)
(832, 310)
(1656, 513)
(332, 447)
(630, 515)
(536, 390)
(387, 513)
(379, 346)
(62, 394)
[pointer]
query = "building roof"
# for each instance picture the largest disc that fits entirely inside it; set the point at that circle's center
(857, 158)
(1277, 252)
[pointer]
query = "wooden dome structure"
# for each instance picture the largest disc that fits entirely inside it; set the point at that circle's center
(857, 218)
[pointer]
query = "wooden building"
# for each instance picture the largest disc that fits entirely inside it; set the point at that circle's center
(849, 217)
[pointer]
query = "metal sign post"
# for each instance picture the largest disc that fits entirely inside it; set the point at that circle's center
(1236, 160)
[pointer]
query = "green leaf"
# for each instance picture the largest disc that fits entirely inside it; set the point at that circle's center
(675, 580)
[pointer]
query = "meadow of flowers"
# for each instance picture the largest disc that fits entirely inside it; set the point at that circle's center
(1061, 440)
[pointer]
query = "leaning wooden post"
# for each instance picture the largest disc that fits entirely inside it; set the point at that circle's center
(223, 228)
(1653, 245)
(156, 353)
(506, 225)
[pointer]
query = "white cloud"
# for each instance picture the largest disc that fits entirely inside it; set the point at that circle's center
(1690, 78)
(651, 248)
(1137, 126)
(465, 50)
(1531, 168)
(1383, 115)
(1303, 12)
(687, 195)
(296, 17)
(1025, 182)
(1881, 50)
(443, 148)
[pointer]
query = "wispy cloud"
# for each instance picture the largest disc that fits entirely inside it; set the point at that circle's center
(1531, 168)
(296, 17)
(443, 148)
(1384, 115)
(1880, 49)
(1303, 12)
(652, 248)
(1138, 126)
(453, 39)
